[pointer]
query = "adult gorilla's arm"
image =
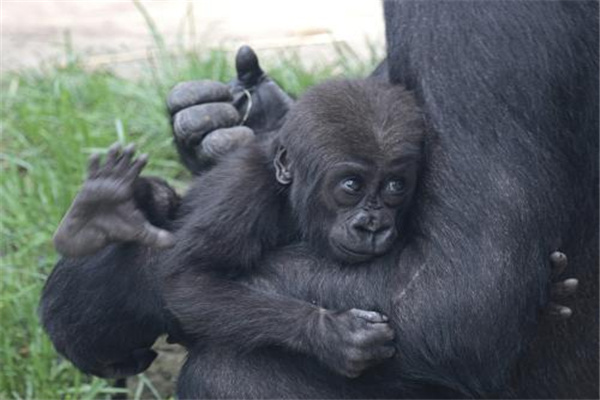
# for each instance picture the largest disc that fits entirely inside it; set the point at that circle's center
(511, 91)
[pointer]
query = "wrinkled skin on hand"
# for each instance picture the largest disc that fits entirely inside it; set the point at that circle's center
(211, 119)
(105, 209)
(353, 341)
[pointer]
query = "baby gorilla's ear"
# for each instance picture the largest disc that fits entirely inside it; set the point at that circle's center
(283, 172)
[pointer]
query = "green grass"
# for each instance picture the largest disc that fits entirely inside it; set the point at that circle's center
(52, 119)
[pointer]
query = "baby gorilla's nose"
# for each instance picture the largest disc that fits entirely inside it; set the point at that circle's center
(373, 230)
(370, 223)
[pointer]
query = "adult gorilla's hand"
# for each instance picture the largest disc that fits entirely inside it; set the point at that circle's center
(211, 119)
(561, 289)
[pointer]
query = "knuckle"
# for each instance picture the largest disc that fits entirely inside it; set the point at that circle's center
(352, 374)
(389, 352)
(354, 368)
(354, 356)
(389, 336)
(354, 311)
(387, 332)
(356, 338)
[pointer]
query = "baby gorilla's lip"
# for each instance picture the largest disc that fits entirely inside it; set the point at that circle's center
(353, 254)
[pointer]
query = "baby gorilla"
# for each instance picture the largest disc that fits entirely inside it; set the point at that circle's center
(340, 175)
(338, 178)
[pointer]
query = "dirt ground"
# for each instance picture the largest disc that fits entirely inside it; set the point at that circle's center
(114, 31)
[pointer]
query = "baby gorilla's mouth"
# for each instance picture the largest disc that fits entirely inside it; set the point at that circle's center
(349, 254)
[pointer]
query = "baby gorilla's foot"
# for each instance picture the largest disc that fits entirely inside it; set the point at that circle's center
(352, 341)
(104, 210)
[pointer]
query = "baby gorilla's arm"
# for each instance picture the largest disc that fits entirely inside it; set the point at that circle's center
(114, 205)
(235, 213)
(226, 312)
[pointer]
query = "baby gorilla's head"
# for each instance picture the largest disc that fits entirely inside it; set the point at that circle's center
(350, 151)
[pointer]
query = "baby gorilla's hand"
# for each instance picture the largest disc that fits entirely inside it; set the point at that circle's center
(210, 119)
(204, 120)
(352, 341)
(104, 209)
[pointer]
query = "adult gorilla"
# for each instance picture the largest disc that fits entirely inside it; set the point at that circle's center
(511, 90)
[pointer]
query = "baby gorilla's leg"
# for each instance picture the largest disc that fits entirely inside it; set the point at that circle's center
(265, 373)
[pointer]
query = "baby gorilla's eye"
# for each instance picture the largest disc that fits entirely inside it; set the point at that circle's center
(396, 186)
(352, 185)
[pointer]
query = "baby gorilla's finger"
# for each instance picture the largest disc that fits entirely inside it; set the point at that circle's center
(187, 94)
(247, 66)
(369, 316)
(93, 165)
(565, 288)
(378, 334)
(558, 263)
(558, 311)
(383, 352)
(113, 153)
(152, 236)
(222, 141)
(111, 158)
(125, 160)
(191, 124)
(136, 167)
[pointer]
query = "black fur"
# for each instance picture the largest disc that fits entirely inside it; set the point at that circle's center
(87, 306)
(511, 90)
(238, 211)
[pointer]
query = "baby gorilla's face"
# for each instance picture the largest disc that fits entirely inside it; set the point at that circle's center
(368, 200)
(351, 151)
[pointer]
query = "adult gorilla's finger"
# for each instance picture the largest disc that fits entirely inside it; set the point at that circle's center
(151, 236)
(190, 93)
(565, 288)
(558, 263)
(248, 69)
(190, 125)
(558, 311)
(222, 141)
